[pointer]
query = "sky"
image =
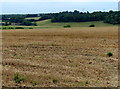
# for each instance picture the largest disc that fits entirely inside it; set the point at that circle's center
(59, 0)
(51, 6)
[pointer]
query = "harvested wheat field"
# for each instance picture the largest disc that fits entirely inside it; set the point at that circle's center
(61, 57)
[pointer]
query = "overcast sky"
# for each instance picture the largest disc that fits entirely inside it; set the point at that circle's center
(46, 6)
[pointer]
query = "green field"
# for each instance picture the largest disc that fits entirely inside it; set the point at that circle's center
(35, 18)
(49, 24)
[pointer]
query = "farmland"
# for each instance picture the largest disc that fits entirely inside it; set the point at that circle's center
(57, 56)
(48, 24)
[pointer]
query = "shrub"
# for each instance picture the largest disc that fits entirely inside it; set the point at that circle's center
(86, 82)
(28, 23)
(19, 28)
(4, 28)
(55, 80)
(67, 26)
(34, 24)
(30, 28)
(92, 25)
(34, 83)
(17, 78)
(109, 54)
(10, 28)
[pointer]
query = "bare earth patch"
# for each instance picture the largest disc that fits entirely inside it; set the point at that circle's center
(61, 57)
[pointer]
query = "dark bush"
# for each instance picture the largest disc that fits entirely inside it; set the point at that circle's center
(10, 28)
(30, 28)
(34, 83)
(92, 25)
(67, 26)
(28, 23)
(34, 24)
(19, 28)
(32, 20)
(109, 54)
(17, 78)
(4, 28)
(55, 80)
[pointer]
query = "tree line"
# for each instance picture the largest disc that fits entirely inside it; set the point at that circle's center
(112, 17)
(16, 19)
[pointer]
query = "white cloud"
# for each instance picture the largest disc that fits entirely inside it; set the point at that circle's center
(59, 0)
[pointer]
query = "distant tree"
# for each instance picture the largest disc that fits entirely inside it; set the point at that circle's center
(28, 23)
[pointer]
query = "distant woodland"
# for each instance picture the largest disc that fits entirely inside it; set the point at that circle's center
(111, 17)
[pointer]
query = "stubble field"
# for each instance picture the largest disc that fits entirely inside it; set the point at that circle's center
(61, 57)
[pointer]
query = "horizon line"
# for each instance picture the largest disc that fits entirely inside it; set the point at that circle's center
(58, 12)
